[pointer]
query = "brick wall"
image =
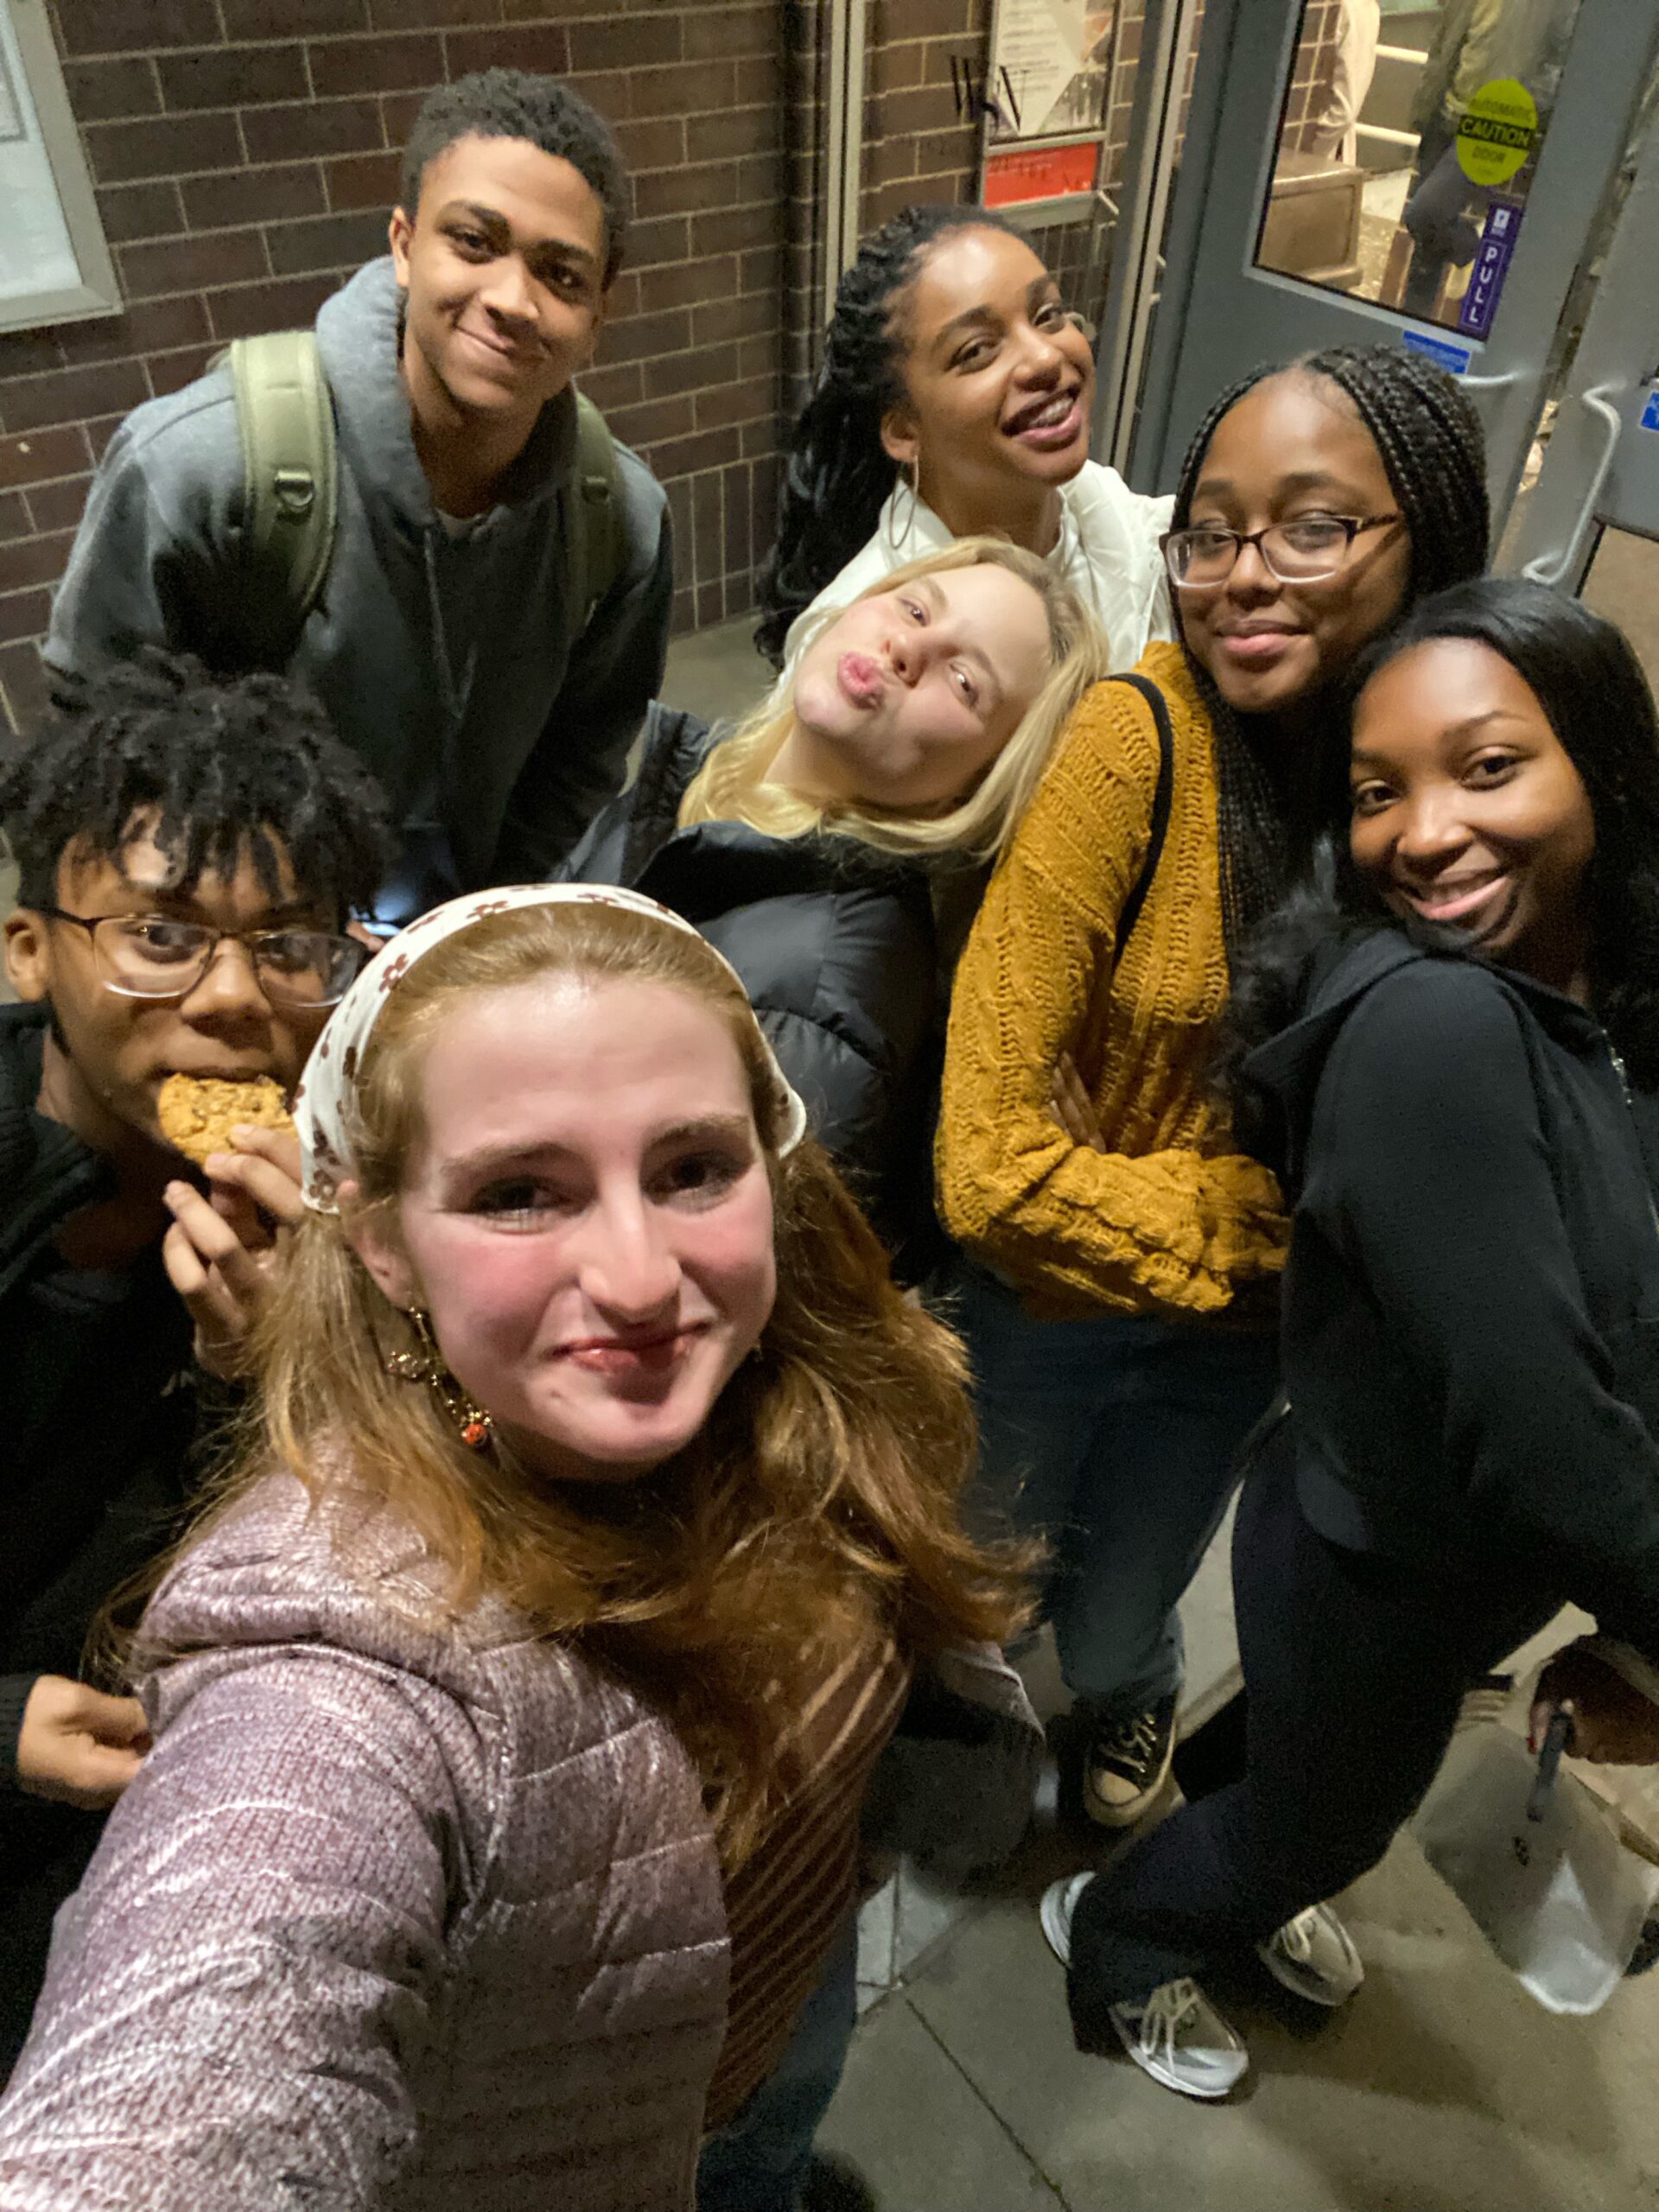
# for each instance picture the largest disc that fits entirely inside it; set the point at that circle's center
(244, 156)
(1313, 72)
(917, 146)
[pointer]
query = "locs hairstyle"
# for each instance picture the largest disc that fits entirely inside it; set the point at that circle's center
(1595, 697)
(837, 474)
(213, 771)
(1433, 450)
(514, 104)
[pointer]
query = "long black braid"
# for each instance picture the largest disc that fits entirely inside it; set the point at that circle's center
(213, 771)
(1429, 438)
(837, 474)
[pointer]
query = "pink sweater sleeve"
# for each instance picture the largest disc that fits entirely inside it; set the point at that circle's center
(237, 1991)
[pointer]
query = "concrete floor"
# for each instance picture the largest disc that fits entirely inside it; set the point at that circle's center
(716, 673)
(1442, 2088)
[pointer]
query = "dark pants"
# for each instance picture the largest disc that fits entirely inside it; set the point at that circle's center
(1438, 214)
(1115, 1439)
(1355, 1668)
(759, 2162)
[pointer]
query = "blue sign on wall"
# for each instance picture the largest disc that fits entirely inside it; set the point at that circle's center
(1455, 357)
(1650, 412)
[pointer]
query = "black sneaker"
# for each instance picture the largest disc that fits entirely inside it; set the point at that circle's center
(1126, 1764)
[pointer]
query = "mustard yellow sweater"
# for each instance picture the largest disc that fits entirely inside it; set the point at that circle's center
(1169, 1215)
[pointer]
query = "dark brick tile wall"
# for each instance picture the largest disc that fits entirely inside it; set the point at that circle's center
(245, 154)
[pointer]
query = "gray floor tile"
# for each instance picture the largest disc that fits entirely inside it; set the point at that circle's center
(716, 673)
(1442, 2088)
(918, 2134)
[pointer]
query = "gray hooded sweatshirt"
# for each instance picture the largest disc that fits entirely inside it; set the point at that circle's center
(446, 657)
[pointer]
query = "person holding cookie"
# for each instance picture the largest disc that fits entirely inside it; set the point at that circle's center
(189, 854)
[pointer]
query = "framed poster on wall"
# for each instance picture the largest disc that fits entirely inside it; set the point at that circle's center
(1051, 62)
(55, 262)
(1046, 88)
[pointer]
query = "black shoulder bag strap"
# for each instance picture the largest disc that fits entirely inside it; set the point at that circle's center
(1161, 801)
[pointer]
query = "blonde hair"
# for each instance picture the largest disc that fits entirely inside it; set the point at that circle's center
(818, 1501)
(732, 784)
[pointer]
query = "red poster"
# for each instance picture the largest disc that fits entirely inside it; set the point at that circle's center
(1049, 173)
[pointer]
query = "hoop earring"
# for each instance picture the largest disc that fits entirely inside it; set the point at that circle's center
(906, 480)
(472, 1421)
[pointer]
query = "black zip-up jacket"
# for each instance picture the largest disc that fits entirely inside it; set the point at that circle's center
(1471, 1303)
(836, 947)
(101, 1406)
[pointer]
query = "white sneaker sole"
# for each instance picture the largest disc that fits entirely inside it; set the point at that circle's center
(1310, 1989)
(1208, 2093)
(1059, 1902)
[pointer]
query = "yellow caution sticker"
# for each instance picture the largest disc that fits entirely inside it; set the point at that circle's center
(1497, 131)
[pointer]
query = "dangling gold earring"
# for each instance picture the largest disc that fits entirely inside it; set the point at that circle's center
(908, 477)
(471, 1420)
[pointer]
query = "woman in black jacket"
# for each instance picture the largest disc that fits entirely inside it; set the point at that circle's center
(1463, 1103)
(832, 845)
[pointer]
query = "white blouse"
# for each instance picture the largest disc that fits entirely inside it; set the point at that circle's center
(1107, 552)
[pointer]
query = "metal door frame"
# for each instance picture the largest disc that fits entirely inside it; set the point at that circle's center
(1601, 468)
(1232, 143)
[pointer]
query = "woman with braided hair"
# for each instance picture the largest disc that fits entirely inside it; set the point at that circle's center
(955, 398)
(1119, 1302)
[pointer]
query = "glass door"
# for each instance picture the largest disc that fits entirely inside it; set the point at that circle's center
(1425, 171)
(1592, 520)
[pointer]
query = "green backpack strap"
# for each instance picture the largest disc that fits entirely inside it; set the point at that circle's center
(290, 477)
(594, 553)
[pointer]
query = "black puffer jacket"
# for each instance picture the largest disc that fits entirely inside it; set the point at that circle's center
(837, 948)
(1471, 1303)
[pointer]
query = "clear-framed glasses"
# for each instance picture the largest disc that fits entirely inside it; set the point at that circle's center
(1298, 552)
(149, 956)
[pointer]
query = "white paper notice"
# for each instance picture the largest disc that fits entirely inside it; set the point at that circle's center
(36, 255)
(1044, 78)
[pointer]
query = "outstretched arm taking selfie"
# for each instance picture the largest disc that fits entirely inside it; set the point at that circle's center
(271, 1899)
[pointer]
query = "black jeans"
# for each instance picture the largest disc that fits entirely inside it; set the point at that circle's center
(1355, 1668)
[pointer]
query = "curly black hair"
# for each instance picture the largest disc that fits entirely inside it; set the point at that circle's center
(514, 104)
(837, 474)
(1430, 442)
(212, 771)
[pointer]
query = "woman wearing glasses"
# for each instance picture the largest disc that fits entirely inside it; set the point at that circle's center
(1119, 1303)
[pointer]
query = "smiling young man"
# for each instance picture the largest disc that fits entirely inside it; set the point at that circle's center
(189, 853)
(495, 612)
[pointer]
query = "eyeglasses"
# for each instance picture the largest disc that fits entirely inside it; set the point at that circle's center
(148, 956)
(1292, 552)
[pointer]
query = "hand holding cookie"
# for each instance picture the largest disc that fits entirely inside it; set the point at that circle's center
(197, 1113)
(220, 1249)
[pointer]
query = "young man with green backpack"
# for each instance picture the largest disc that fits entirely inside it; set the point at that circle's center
(410, 510)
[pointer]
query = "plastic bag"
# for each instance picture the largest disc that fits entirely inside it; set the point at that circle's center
(1553, 1890)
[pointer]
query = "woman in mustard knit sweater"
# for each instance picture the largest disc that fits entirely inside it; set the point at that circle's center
(1119, 1296)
